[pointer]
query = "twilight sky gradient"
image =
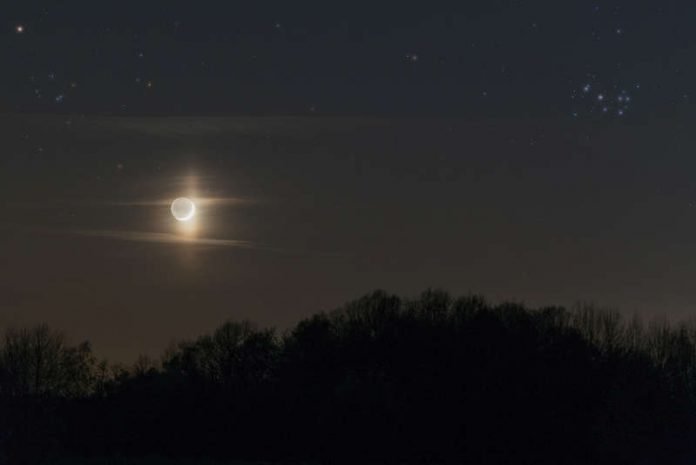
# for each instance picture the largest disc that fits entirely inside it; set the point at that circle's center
(326, 209)
(535, 151)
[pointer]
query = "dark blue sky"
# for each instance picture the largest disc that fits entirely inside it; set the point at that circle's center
(504, 58)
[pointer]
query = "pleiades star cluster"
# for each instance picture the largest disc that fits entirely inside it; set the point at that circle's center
(613, 59)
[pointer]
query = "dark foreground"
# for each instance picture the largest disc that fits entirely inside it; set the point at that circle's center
(381, 380)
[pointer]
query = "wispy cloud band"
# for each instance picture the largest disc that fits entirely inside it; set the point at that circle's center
(165, 238)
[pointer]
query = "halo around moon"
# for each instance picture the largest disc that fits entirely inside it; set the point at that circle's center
(183, 209)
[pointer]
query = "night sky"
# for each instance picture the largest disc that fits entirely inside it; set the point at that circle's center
(534, 151)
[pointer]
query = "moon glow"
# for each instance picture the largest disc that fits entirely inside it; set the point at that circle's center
(183, 209)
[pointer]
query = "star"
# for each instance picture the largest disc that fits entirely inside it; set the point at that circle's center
(19, 29)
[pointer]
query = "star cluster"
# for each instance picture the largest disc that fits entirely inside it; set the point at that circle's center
(479, 58)
(595, 98)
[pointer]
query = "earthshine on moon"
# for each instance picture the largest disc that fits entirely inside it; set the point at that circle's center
(183, 209)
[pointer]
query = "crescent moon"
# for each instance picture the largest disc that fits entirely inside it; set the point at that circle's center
(183, 209)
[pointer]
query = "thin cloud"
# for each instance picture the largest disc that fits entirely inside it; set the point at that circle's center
(179, 127)
(165, 238)
(168, 238)
(200, 201)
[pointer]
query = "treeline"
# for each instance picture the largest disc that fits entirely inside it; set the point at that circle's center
(381, 380)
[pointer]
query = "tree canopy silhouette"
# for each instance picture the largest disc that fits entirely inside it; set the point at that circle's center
(382, 379)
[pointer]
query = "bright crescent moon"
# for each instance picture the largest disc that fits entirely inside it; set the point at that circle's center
(183, 209)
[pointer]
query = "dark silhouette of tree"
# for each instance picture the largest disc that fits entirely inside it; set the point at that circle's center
(38, 370)
(37, 362)
(383, 379)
